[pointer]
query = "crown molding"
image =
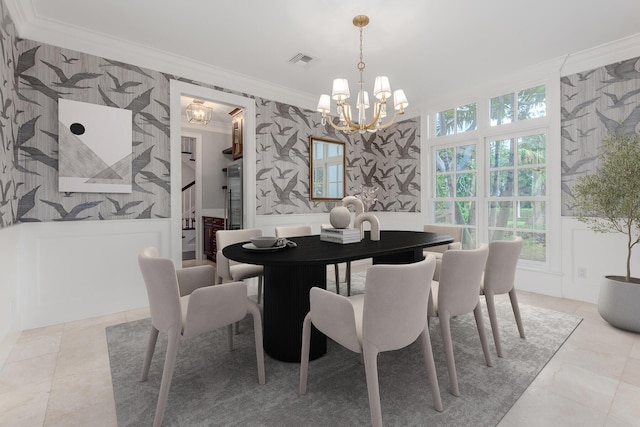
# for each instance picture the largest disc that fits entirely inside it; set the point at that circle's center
(30, 26)
(604, 54)
(22, 13)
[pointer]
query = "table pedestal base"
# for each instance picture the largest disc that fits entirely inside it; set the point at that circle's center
(286, 303)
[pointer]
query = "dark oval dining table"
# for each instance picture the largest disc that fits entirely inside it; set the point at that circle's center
(289, 274)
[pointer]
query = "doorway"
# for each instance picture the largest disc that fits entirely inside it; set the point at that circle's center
(179, 89)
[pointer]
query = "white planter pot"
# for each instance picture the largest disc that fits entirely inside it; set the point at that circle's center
(619, 303)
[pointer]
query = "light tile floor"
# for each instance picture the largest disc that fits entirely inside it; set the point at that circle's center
(59, 375)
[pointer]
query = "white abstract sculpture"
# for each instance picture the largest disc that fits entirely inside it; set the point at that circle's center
(373, 221)
(355, 202)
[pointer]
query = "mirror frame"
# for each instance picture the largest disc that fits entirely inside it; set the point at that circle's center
(313, 139)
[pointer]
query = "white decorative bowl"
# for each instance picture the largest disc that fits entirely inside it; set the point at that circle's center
(264, 242)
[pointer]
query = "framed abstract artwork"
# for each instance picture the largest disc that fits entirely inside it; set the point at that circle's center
(95, 148)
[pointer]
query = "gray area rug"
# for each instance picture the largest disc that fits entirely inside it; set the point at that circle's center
(215, 387)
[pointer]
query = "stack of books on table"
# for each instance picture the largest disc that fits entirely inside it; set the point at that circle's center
(340, 235)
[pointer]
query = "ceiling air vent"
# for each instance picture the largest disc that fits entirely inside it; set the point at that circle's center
(302, 60)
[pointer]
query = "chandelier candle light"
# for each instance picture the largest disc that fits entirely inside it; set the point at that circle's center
(381, 92)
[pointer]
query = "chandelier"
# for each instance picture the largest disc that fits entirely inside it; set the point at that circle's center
(381, 92)
(198, 113)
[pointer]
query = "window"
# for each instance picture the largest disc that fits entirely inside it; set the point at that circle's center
(456, 120)
(495, 184)
(517, 195)
(455, 193)
(531, 104)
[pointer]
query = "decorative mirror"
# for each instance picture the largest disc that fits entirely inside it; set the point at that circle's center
(326, 169)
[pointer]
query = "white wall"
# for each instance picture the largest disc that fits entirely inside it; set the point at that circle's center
(10, 281)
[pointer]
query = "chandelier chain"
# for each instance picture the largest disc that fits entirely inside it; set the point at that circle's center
(361, 63)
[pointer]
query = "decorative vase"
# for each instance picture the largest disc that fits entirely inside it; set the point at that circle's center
(619, 301)
(372, 220)
(340, 217)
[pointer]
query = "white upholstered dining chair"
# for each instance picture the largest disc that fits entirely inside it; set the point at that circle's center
(185, 303)
(458, 293)
(454, 231)
(235, 271)
(391, 314)
(499, 278)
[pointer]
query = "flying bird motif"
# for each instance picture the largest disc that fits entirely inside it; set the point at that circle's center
(37, 85)
(37, 155)
(122, 88)
(5, 190)
(404, 150)
(621, 102)
(72, 215)
(283, 130)
(146, 214)
(70, 82)
(567, 81)
(585, 75)
(283, 150)
(298, 112)
(122, 210)
(403, 186)
(260, 174)
(628, 125)
(282, 174)
(151, 119)
(369, 177)
(621, 71)
(68, 60)
(154, 179)
(585, 133)
(284, 194)
(573, 114)
(260, 127)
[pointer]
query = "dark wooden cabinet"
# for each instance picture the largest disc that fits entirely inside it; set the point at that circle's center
(211, 225)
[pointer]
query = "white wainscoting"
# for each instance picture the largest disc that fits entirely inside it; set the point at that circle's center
(9, 288)
(77, 270)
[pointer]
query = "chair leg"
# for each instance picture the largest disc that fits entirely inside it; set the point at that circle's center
(373, 387)
(304, 353)
(348, 278)
(430, 365)
(257, 332)
(167, 375)
(259, 289)
(445, 330)
(151, 346)
(335, 267)
(477, 312)
(516, 311)
(491, 308)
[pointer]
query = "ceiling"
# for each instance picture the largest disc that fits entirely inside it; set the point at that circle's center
(428, 48)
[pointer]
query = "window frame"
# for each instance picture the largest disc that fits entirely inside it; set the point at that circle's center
(549, 124)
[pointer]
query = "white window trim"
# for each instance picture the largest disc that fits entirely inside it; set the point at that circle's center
(550, 124)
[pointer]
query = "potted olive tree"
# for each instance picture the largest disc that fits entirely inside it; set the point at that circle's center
(609, 201)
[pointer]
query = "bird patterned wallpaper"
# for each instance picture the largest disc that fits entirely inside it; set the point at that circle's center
(37, 75)
(595, 103)
(10, 182)
(388, 160)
